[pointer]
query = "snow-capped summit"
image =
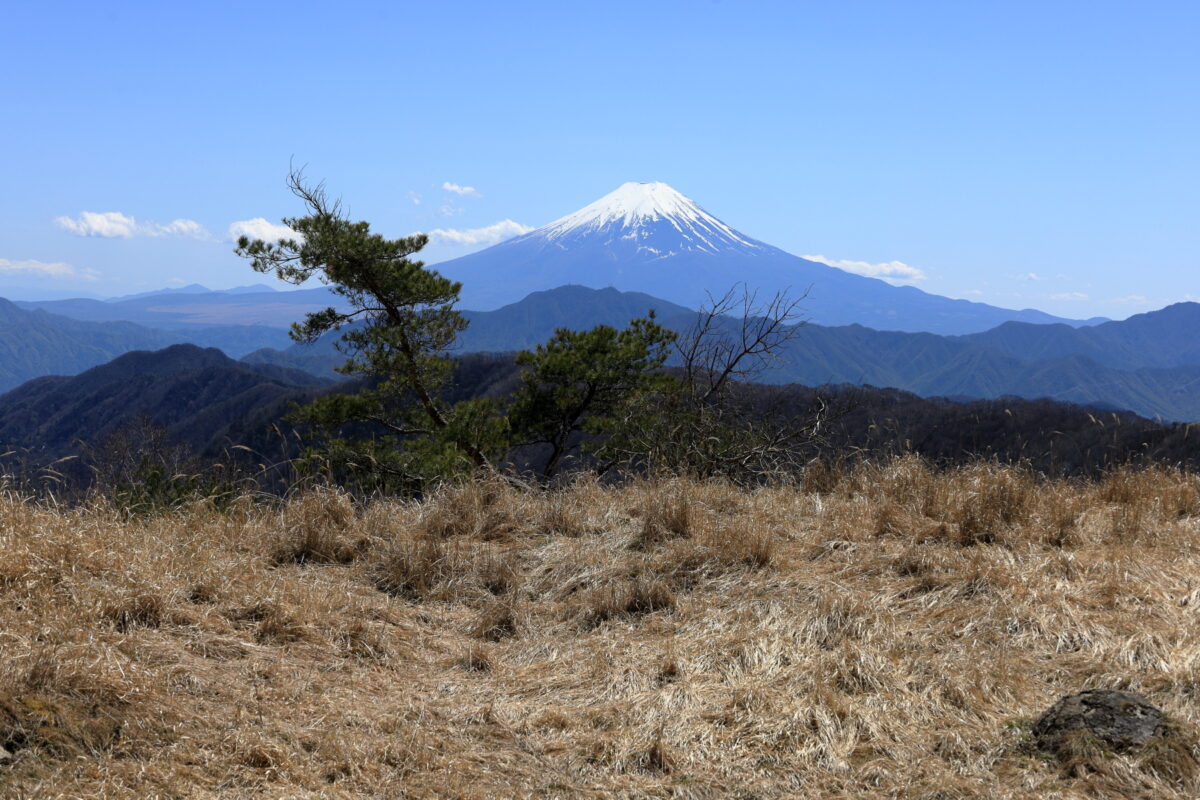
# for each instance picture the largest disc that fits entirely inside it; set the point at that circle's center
(641, 205)
(636, 209)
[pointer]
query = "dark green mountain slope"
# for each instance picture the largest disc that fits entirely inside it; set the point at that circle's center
(201, 396)
(1051, 437)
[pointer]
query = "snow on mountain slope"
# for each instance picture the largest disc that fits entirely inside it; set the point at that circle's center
(638, 212)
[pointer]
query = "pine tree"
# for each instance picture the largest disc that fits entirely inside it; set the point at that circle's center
(399, 325)
(583, 382)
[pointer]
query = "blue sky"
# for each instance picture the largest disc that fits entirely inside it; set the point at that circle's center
(1025, 154)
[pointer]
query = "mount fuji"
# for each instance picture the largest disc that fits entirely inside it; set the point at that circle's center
(647, 237)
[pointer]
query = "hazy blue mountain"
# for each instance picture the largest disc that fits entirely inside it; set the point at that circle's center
(532, 320)
(191, 288)
(519, 326)
(1168, 337)
(646, 237)
(253, 306)
(959, 367)
(253, 288)
(238, 321)
(319, 358)
(34, 343)
(234, 340)
(16, 291)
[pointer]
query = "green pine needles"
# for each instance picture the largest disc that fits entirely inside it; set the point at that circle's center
(581, 384)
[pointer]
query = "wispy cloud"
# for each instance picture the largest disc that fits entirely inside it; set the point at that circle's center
(462, 191)
(115, 225)
(415, 197)
(505, 229)
(180, 227)
(260, 228)
(896, 271)
(46, 269)
(1070, 296)
(1033, 276)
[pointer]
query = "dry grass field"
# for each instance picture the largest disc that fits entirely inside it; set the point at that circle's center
(888, 633)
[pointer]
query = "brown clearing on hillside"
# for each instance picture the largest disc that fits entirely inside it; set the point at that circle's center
(894, 635)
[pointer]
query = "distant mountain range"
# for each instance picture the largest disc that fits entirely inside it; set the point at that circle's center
(647, 237)
(34, 343)
(194, 307)
(960, 367)
(520, 326)
(1169, 337)
(1149, 364)
(194, 288)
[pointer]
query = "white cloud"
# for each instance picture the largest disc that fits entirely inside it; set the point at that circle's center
(110, 224)
(449, 210)
(182, 227)
(896, 271)
(462, 191)
(47, 269)
(1134, 299)
(505, 229)
(259, 228)
(115, 225)
(1070, 296)
(415, 197)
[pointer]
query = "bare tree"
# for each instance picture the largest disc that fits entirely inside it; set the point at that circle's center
(736, 338)
(713, 420)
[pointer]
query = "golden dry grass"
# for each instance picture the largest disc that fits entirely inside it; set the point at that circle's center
(891, 636)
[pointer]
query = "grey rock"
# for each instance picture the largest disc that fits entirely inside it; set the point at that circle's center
(1121, 720)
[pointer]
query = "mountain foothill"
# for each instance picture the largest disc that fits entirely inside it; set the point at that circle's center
(77, 369)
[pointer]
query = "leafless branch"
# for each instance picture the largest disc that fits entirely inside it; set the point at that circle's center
(736, 337)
